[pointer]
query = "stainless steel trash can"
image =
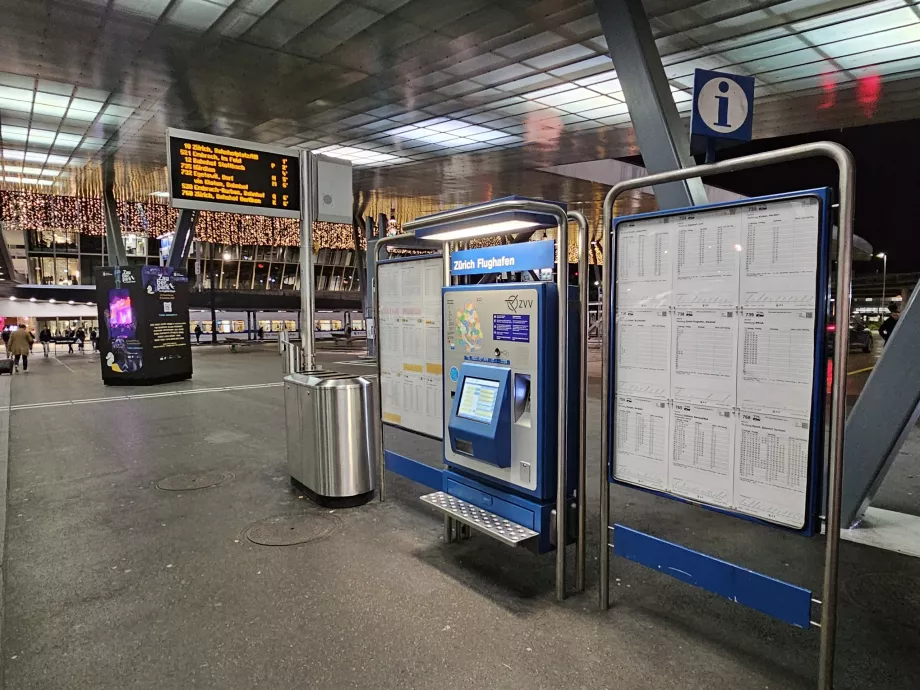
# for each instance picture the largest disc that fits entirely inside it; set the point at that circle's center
(332, 435)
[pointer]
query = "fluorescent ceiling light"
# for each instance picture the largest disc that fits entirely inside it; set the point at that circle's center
(162, 195)
(19, 170)
(359, 156)
(29, 180)
(446, 133)
(497, 228)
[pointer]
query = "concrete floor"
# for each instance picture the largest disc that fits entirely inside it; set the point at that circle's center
(113, 583)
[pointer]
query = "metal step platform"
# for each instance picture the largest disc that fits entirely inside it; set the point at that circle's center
(495, 526)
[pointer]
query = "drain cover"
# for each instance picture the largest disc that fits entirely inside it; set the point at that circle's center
(191, 482)
(287, 530)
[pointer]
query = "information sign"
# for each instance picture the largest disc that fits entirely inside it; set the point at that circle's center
(718, 353)
(409, 295)
(219, 174)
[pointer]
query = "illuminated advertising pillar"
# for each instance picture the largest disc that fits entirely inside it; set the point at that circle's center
(143, 325)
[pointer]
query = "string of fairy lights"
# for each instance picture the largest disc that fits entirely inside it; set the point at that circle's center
(35, 211)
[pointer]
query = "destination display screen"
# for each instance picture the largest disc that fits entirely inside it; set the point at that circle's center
(219, 174)
(477, 400)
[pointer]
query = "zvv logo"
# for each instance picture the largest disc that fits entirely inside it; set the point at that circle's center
(514, 303)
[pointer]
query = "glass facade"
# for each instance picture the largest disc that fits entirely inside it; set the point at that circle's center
(58, 257)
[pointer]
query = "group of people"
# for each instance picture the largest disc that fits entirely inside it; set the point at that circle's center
(18, 342)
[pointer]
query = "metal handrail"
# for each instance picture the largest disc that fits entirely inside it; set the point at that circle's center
(845, 166)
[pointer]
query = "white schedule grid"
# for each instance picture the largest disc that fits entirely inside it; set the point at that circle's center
(642, 442)
(644, 263)
(714, 344)
(410, 344)
(703, 367)
(643, 342)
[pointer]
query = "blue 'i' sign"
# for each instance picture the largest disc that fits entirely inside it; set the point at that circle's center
(723, 105)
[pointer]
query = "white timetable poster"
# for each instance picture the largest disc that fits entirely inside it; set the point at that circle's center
(410, 344)
(642, 442)
(714, 347)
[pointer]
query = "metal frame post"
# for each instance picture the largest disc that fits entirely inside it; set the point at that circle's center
(308, 201)
(183, 238)
(583, 286)
(845, 166)
(115, 244)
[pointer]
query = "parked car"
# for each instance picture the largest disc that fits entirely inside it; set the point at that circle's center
(860, 336)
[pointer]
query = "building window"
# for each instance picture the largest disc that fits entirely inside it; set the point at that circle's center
(91, 244)
(247, 269)
(275, 274)
(261, 281)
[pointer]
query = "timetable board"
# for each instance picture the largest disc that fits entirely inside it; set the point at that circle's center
(211, 173)
(718, 349)
(409, 304)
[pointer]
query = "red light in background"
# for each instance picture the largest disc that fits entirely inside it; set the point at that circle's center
(868, 92)
(829, 88)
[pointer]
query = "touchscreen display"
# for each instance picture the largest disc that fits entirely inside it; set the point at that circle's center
(477, 399)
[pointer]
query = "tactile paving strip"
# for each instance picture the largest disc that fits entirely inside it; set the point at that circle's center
(495, 526)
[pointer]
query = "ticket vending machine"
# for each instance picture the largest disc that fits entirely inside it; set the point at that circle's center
(501, 401)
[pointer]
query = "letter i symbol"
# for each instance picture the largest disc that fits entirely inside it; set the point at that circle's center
(722, 121)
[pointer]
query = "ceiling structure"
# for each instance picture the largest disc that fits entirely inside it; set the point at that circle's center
(453, 101)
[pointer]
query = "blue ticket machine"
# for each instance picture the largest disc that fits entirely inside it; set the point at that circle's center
(501, 392)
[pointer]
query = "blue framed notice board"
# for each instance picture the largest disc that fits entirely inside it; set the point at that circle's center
(717, 357)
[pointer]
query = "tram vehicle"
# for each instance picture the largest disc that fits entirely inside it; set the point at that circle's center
(327, 325)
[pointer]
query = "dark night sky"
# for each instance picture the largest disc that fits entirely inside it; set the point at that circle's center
(887, 184)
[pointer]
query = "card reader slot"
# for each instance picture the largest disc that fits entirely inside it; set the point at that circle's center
(521, 409)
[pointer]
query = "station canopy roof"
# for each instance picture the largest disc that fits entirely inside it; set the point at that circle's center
(459, 100)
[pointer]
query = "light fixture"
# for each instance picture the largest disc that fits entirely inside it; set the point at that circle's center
(12, 298)
(32, 299)
(70, 301)
(162, 195)
(52, 300)
(447, 233)
(227, 256)
(880, 255)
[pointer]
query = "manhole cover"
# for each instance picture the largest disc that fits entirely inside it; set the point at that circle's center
(192, 482)
(898, 589)
(287, 530)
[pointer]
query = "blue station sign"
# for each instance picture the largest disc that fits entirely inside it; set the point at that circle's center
(527, 256)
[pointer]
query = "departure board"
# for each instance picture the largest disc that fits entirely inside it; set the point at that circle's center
(219, 174)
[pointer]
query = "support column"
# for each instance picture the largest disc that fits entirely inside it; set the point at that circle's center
(308, 201)
(367, 285)
(663, 141)
(115, 245)
(183, 240)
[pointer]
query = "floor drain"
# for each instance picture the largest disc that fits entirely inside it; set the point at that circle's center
(288, 530)
(193, 482)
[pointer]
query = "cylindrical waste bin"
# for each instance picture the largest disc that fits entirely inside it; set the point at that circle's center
(332, 435)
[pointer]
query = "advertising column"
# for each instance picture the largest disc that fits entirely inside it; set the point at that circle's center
(143, 325)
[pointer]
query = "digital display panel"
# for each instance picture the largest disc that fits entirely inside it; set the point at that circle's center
(477, 399)
(220, 174)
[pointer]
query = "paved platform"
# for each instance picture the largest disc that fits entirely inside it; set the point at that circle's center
(111, 582)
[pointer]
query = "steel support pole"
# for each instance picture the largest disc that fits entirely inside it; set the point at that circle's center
(583, 245)
(115, 244)
(846, 189)
(308, 201)
(183, 238)
(662, 138)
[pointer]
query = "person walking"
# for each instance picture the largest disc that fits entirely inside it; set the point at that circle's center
(887, 327)
(19, 347)
(6, 340)
(80, 335)
(44, 337)
(261, 332)
(68, 336)
(198, 333)
(94, 338)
